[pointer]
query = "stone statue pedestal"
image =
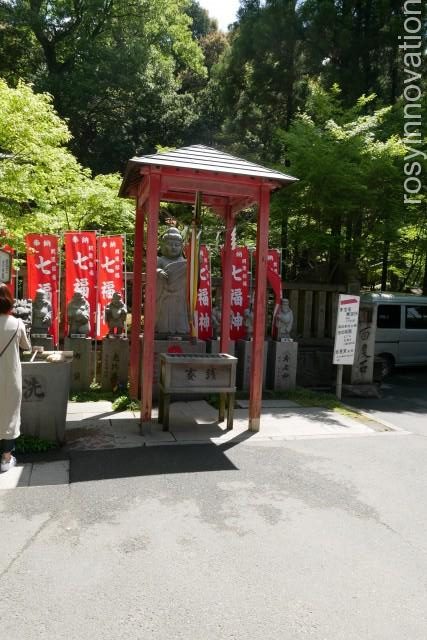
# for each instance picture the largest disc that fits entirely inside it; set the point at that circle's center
(42, 340)
(282, 365)
(170, 345)
(362, 371)
(82, 368)
(244, 355)
(114, 363)
(213, 346)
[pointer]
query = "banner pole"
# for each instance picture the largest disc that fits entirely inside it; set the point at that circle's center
(338, 391)
(17, 269)
(124, 266)
(58, 290)
(97, 241)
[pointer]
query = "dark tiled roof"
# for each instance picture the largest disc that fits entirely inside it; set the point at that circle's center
(203, 158)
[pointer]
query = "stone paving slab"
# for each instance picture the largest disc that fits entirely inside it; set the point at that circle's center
(277, 403)
(153, 434)
(36, 475)
(19, 476)
(197, 422)
(89, 407)
(48, 473)
(122, 415)
(79, 417)
(193, 422)
(93, 422)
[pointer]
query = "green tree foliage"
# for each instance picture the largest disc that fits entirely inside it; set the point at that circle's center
(260, 75)
(42, 186)
(312, 87)
(356, 45)
(346, 211)
(114, 68)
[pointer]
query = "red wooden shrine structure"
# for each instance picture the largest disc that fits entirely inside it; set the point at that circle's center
(226, 185)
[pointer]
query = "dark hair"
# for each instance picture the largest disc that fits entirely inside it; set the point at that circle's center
(6, 300)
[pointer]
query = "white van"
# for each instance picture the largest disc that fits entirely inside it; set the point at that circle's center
(401, 336)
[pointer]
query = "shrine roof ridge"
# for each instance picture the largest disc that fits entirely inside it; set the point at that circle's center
(202, 158)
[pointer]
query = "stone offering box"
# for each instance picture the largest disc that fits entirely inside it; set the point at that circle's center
(45, 389)
(197, 373)
(171, 346)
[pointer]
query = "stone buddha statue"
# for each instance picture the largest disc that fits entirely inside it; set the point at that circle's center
(284, 321)
(78, 314)
(216, 321)
(41, 313)
(115, 315)
(248, 323)
(172, 310)
(23, 308)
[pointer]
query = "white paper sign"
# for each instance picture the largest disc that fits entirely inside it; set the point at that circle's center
(5, 266)
(346, 331)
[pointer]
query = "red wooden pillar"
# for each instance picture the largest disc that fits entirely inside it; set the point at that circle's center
(257, 362)
(150, 297)
(226, 282)
(136, 299)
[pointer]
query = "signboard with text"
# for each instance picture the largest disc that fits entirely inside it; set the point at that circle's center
(5, 266)
(346, 330)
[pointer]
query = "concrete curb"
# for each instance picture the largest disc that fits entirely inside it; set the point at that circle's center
(373, 418)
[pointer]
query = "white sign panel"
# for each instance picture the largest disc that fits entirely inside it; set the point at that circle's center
(346, 331)
(5, 266)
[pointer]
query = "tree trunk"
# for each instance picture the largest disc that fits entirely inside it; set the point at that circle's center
(335, 250)
(425, 277)
(284, 245)
(386, 251)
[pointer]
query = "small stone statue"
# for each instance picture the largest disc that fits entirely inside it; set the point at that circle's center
(248, 323)
(172, 312)
(216, 321)
(115, 315)
(23, 309)
(78, 314)
(284, 321)
(41, 313)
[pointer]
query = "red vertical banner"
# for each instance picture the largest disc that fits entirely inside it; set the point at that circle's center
(273, 260)
(43, 272)
(239, 291)
(273, 273)
(80, 270)
(204, 295)
(274, 278)
(110, 277)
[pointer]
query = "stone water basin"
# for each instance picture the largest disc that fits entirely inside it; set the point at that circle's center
(45, 389)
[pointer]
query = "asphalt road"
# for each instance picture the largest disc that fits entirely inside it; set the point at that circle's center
(403, 402)
(320, 539)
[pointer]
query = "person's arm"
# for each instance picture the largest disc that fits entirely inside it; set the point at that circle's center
(24, 342)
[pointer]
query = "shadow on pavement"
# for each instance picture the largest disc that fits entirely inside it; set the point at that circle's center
(146, 461)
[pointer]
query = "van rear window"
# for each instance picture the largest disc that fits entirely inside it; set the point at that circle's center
(416, 317)
(388, 316)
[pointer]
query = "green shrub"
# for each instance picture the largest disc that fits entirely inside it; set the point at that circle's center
(32, 444)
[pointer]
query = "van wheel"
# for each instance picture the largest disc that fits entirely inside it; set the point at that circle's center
(387, 365)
